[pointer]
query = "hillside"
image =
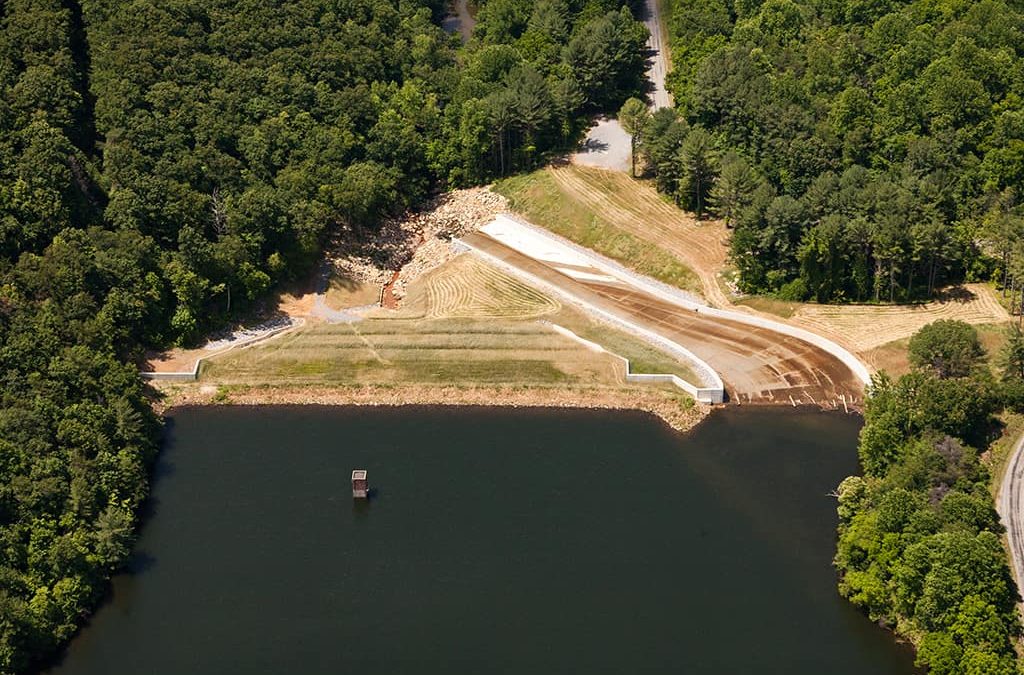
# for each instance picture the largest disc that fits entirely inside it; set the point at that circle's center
(862, 151)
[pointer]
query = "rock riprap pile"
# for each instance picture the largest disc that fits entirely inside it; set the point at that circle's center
(414, 243)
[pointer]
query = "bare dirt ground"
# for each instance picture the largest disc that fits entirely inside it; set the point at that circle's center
(182, 360)
(757, 365)
(637, 208)
(866, 327)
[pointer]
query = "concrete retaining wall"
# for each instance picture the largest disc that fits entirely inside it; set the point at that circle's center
(702, 394)
(181, 376)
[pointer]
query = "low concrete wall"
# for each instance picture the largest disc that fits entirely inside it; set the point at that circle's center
(193, 375)
(702, 394)
(181, 376)
(684, 299)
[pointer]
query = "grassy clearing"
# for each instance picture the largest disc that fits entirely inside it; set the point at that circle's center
(469, 288)
(999, 451)
(643, 357)
(465, 324)
(892, 357)
(539, 199)
(426, 351)
(993, 337)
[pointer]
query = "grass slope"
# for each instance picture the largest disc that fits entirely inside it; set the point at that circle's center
(541, 200)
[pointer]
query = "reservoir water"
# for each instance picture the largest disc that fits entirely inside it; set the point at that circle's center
(499, 541)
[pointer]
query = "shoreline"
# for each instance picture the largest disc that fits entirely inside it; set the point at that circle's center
(672, 409)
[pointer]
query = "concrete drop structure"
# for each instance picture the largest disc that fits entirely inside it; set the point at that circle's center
(360, 490)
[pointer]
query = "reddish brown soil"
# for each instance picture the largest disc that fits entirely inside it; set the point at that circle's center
(387, 297)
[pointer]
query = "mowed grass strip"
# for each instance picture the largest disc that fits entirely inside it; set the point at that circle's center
(894, 358)
(643, 357)
(468, 288)
(404, 353)
(539, 199)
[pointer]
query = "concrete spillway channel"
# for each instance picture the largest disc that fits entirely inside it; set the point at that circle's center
(757, 361)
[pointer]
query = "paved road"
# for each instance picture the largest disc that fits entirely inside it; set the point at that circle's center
(607, 146)
(758, 365)
(1010, 505)
(659, 61)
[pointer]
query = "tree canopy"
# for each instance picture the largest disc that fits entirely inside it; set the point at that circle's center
(881, 143)
(920, 545)
(948, 348)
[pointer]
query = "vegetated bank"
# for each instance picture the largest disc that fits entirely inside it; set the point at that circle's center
(862, 151)
(920, 545)
(163, 164)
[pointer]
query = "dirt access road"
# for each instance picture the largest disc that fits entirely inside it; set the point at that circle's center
(758, 365)
(460, 20)
(634, 207)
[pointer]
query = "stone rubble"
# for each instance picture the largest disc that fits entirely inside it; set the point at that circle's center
(416, 242)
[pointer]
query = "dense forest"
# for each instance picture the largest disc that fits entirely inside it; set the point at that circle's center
(863, 151)
(920, 545)
(163, 164)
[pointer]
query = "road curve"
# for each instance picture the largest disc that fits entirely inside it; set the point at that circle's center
(1009, 505)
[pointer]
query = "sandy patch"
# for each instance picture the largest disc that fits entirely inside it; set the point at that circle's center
(607, 146)
(671, 408)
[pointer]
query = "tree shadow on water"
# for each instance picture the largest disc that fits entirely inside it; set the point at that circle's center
(138, 563)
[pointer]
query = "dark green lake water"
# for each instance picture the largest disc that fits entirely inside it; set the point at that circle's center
(500, 541)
